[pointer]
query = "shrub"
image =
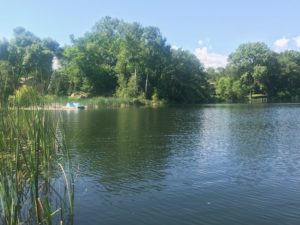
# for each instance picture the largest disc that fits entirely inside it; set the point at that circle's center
(25, 96)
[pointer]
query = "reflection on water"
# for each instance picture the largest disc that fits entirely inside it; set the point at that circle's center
(214, 164)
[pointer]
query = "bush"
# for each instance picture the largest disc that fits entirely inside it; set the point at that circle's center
(25, 96)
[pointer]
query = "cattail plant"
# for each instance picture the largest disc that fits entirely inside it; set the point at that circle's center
(36, 179)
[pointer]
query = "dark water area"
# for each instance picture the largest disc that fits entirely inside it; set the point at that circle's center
(210, 164)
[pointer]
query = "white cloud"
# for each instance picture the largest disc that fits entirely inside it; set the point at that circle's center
(281, 44)
(175, 47)
(210, 59)
(297, 40)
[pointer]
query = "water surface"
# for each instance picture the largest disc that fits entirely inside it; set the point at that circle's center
(213, 164)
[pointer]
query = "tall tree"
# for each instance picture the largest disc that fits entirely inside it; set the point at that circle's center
(256, 67)
(185, 81)
(8, 81)
(289, 77)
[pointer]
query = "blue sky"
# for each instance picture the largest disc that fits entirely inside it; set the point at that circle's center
(211, 29)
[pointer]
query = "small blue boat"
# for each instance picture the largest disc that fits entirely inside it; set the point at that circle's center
(74, 105)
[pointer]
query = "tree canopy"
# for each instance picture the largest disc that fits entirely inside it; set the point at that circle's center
(255, 69)
(131, 60)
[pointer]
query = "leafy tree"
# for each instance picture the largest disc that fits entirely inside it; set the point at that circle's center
(59, 84)
(28, 56)
(214, 73)
(289, 77)
(255, 66)
(8, 82)
(186, 80)
(4, 49)
(127, 89)
(228, 89)
(90, 61)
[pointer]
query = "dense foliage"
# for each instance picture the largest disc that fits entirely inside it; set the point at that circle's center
(25, 59)
(128, 60)
(114, 59)
(254, 69)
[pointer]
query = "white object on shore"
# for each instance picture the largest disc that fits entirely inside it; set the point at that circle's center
(74, 105)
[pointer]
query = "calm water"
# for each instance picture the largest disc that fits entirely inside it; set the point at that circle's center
(215, 164)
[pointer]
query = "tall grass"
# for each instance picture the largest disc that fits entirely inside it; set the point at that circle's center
(36, 179)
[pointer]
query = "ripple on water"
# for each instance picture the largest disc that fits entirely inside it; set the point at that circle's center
(215, 164)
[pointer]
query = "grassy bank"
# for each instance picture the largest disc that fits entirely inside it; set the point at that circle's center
(104, 102)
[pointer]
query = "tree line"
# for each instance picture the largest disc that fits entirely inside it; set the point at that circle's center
(254, 69)
(114, 59)
(128, 60)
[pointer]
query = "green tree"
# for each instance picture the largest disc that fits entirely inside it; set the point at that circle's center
(90, 61)
(8, 82)
(59, 84)
(289, 77)
(228, 89)
(256, 67)
(185, 80)
(29, 57)
(127, 88)
(214, 73)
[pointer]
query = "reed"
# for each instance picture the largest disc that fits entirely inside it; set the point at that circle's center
(36, 178)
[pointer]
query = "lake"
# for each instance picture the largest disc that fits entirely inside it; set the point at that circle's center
(209, 164)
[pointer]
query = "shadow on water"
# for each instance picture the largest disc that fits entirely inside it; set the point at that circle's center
(125, 145)
(185, 165)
